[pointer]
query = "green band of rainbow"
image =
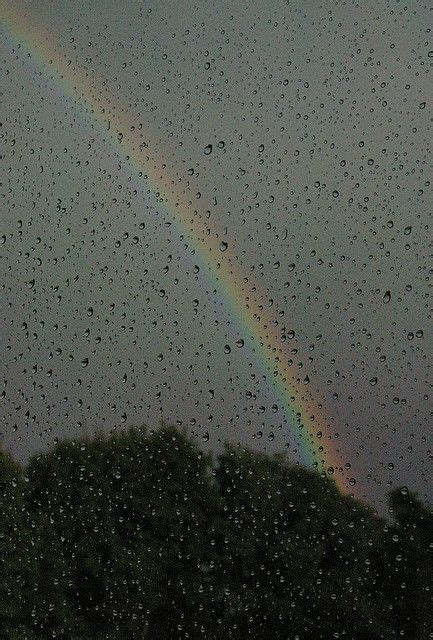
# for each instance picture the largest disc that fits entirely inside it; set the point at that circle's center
(246, 305)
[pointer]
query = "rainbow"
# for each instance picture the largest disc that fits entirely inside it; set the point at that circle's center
(317, 448)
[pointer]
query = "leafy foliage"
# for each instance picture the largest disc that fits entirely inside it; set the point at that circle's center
(141, 536)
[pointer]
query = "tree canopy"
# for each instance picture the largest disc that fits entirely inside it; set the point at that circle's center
(142, 535)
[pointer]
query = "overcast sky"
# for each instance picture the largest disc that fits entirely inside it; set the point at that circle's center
(318, 116)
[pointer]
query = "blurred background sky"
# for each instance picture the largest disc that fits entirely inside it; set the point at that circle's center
(318, 117)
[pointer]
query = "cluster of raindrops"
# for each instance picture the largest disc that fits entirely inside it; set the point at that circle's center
(200, 201)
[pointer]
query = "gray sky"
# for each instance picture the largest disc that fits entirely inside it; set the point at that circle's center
(106, 323)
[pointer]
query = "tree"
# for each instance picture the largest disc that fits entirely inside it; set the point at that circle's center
(123, 535)
(295, 553)
(15, 558)
(406, 566)
(139, 535)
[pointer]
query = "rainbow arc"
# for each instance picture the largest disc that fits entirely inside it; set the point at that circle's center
(247, 306)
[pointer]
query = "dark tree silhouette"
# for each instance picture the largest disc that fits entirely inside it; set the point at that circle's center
(141, 535)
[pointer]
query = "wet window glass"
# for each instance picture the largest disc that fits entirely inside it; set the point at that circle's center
(216, 401)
